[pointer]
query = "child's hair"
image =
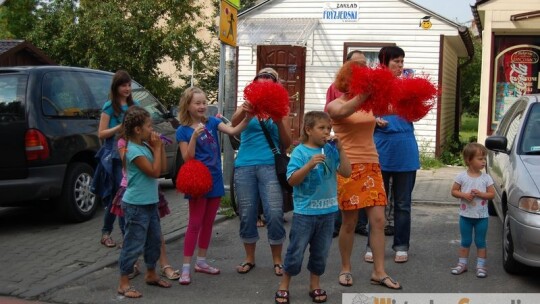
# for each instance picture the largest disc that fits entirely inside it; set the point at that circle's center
(185, 101)
(471, 150)
(388, 53)
(135, 117)
(343, 77)
(120, 77)
(310, 120)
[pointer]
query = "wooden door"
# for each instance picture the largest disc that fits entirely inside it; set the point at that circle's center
(290, 63)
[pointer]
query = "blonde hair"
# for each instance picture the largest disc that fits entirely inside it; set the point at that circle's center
(470, 151)
(310, 120)
(185, 101)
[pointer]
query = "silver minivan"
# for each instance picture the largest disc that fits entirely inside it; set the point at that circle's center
(514, 163)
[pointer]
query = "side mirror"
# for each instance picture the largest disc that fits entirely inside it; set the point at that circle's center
(497, 143)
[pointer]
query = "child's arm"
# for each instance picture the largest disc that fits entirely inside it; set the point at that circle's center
(122, 149)
(345, 168)
(456, 192)
(298, 176)
(152, 169)
(489, 194)
(187, 149)
(238, 116)
(222, 127)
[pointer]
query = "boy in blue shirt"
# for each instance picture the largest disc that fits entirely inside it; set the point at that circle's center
(312, 173)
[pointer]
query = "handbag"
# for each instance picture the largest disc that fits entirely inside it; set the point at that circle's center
(281, 161)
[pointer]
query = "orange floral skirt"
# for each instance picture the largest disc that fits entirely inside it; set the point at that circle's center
(365, 188)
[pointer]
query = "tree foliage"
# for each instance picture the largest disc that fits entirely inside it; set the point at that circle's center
(470, 81)
(17, 18)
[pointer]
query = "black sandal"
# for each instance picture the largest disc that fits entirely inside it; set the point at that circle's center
(318, 293)
(279, 268)
(240, 268)
(282, 295)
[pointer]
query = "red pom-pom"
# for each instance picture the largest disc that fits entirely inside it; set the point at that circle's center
(417, 98)
(269, 99)
(379, 83)
(194, 179)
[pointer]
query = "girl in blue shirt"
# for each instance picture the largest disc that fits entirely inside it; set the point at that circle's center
(198, 139)
(145, 160)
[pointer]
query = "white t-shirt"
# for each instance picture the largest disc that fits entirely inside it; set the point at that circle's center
(478, 207)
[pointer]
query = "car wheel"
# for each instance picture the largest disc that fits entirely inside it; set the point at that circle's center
(509, 263)
(77, 203)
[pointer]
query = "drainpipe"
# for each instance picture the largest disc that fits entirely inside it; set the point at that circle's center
(466, 37)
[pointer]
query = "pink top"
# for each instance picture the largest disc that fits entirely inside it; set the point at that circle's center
(121, 149)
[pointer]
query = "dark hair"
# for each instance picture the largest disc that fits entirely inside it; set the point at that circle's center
(388, 53)
(471, 149)
(120, 77)
(135, 117)
(351, 53)
(310, 119)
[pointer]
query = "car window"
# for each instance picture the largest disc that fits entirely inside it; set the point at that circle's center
(99, 86)
(65, 94)
(12, 97)
(531, 131)
(148, 101)
(513, 128)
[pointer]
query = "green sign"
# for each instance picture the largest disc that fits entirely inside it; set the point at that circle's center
(235, 3)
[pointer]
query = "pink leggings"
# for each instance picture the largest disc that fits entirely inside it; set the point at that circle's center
(202, 213)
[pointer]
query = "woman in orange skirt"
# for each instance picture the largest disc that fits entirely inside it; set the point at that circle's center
(364, 188)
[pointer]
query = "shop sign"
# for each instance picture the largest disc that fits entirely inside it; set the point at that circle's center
(340, 11)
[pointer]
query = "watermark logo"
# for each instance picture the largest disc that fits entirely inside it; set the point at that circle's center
(441, 298)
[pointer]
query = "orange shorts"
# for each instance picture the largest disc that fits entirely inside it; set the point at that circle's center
(365, 188)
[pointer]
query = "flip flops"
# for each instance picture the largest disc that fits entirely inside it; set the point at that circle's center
(384, 282)
(318, 293)
(159, 283)
(348, 279)
(401, 257)
(107, 241)
(282, 295)
(240, 268)
(130, 292)
(278, 270)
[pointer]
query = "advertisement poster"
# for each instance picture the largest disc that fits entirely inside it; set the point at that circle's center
(516, 74)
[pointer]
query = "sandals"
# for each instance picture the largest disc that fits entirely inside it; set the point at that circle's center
(348, 279)
(130, 292)
(208, 269)
(240, 268)
(401, 257)
(135, 272)
(481, 272)
(318, 293)
(278, 270)
(171, 275)
(159, 283)
(368, 257)
(107, 241)
(384, 282)
(459, 269)
(282, 295)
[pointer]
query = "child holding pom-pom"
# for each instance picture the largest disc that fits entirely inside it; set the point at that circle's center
(198, 139)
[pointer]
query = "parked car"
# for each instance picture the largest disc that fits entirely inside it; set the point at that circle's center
(514, 163)
(49, 118)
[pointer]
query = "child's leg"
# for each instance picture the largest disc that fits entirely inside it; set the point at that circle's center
(282, 295)
(152, 246)
(465, 229)
(212, 205)
(318, 253)
(196, 214)
(480, 232)
(317, 294)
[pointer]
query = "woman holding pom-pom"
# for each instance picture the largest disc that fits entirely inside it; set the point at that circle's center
(364, 188)
(255, 175)
(399, 159)
(198, 139)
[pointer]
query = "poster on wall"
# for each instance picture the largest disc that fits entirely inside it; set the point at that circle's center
(516, 74)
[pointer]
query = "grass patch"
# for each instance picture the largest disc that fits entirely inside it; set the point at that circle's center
(225, 207)
(469, 128)
(428, 162)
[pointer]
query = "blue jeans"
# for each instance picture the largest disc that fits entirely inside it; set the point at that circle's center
(480, 227)
(250, 184)
(402, 187)
(108, 217)
(315, 231)
(143, 234)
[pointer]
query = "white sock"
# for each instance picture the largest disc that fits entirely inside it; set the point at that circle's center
(186, 268)
(201, 262)
(480, 263)
(463, 261)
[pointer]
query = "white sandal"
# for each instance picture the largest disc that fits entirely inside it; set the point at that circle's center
(481, 272)
(459, 269)
(368, 257)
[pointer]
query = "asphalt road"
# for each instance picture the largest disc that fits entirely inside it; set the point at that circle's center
(433, 252)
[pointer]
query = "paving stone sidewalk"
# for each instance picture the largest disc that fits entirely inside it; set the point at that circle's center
(58, 253)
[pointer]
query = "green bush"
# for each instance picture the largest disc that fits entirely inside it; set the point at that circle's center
(225, 207)
(451, 154)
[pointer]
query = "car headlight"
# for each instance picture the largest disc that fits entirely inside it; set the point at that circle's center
(529, 204)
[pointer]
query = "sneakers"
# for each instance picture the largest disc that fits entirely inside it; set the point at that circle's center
(185, 279)
(208, 269)
(459, 269)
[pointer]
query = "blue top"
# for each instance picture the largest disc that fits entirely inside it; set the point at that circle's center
(254, 149)
(317, 193)
(207, 151)
(396, 145)
(141, 189)
(115, 120)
